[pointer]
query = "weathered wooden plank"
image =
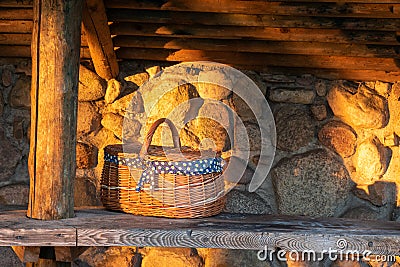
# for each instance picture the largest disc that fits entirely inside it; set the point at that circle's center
(331, 74)
(276, 60)
(237, 231)
(25, 51)
(15, 38)
(15, 51)
(332, 9)
(99, 39)
(15, 26)
(16, 3)
(261, 20)
(25, 39)
(275, 47)
(27, 254)
(339, 2)
(16, 13)
(55, 72)
(262, 33)
(18, 230)
(104, 228)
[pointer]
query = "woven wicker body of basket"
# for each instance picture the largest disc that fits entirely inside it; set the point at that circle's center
(173, 195)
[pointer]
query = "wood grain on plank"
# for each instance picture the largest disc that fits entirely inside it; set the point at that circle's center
(15, 26)
(275, 47)
(260, 33)
(281, 60)
(95, 227)
(262, 20)
(332, 9)
(16, 13)
(25, 39)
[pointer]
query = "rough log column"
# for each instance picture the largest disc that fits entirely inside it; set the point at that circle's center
(55, 69)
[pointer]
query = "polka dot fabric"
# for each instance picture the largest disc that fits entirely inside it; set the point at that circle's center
(152, 168)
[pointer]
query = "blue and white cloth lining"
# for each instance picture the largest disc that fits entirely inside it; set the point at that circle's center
(153, 168)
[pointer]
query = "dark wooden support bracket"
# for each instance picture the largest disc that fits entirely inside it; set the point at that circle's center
(98, 36)
(27, 254)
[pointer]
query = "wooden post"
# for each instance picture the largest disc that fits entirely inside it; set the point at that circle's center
(55, 70)
(98, 36)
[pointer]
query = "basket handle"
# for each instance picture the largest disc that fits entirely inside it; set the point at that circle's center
(152, 130)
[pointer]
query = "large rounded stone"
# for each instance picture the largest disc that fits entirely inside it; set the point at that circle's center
(294, 127)
(14, 195)
(243, 110)
(126, 105)
(9, 258)
(107, 256)
(177, 257)
(319, 111)
(137, 79)
(292, 95)
(91, 86)
(7, 75)
(371, 161)
(214, 84)
(339, 137)
(86, 156)
(88, 118)
(85, 193)
(20, 95)
(379, 194)
(363, 213)
(246, 202)
(114, 89)
(172, 103)
(311, 184)
(216, 257)
(359, 108)
(256, 78)
(10, 159)
(211, 126)
(1, 104)
(114, 123)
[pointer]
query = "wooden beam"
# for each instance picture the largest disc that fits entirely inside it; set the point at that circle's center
(316, 8)
(27, 254)
(331, 74)
(16, 26)
(25, 39)
(16, 3)
(275, 60)
(25, 51)
(99, 39)
(259, 33)
(97, 227)
(339, 2)
(16, 13)
(258, 46)
(55, 72)
(352, 8)
(260, 20)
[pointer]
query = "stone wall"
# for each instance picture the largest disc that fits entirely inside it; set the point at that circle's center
(337, 148)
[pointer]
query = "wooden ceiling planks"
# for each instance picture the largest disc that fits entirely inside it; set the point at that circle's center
(323, 37)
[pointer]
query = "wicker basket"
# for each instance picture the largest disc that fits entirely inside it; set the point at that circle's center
(174, 182)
